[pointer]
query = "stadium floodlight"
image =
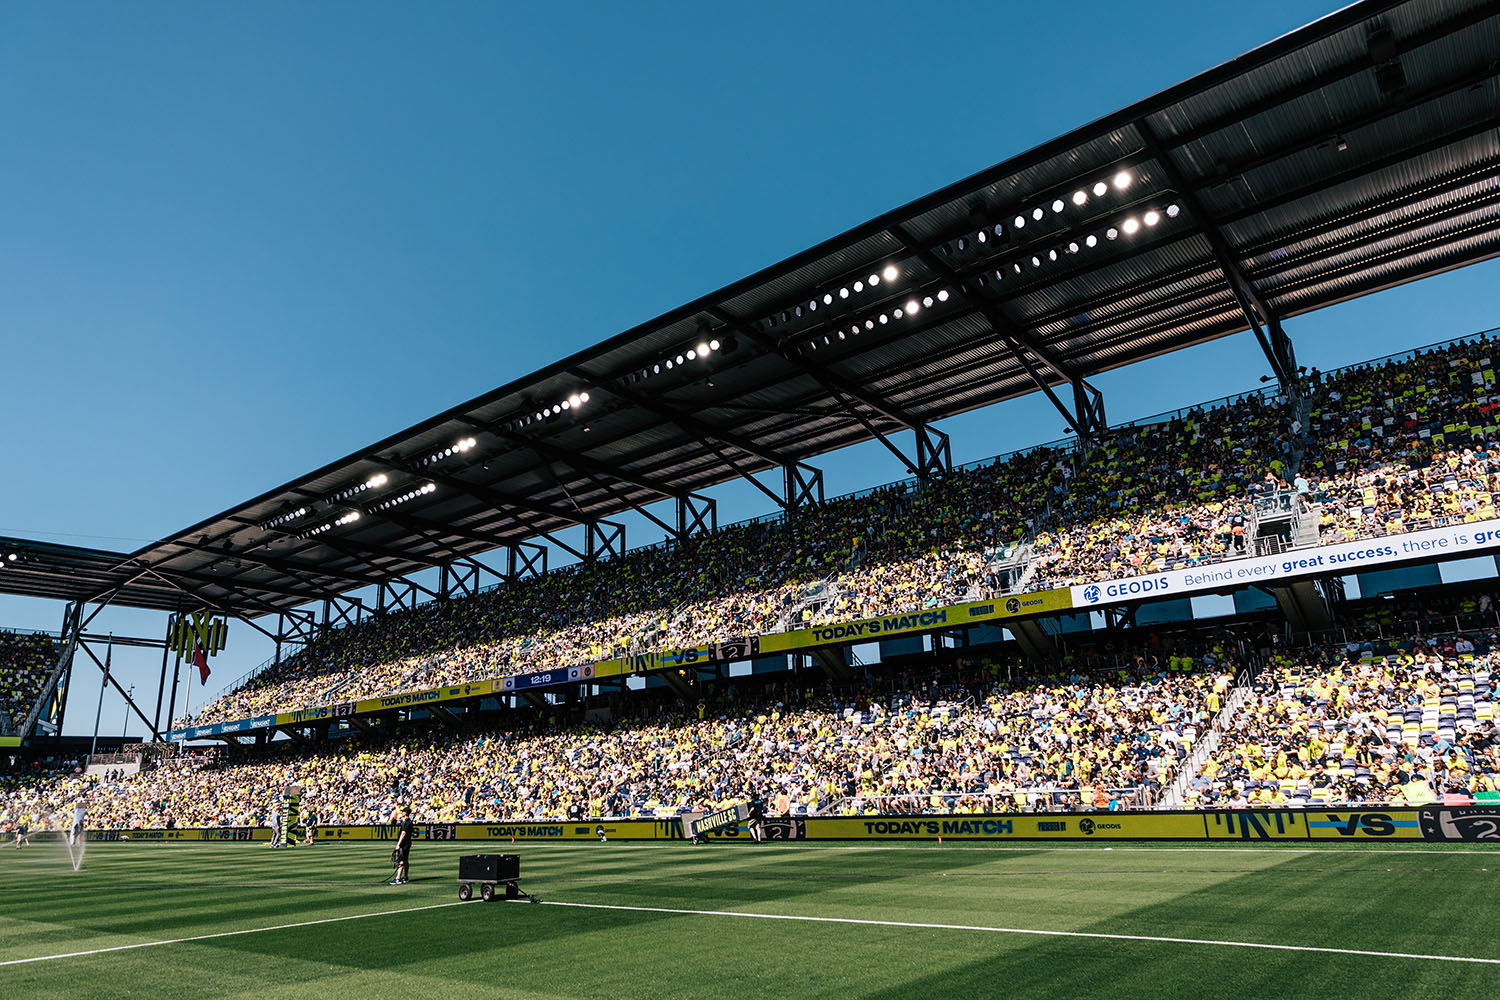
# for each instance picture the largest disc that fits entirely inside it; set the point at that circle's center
(1122, 180)
(943, 295)
(1091, 240)
(1079, 197)
(376, 481)
(713, 345)
(874, 280)
(828, 299)
(1036, 261)
(679, 359)
(574, 400)
(1130, 225)
(1057, 205)
(844, 292)
(859, 286)
(1151, 218)
(14, 556)
(565, 405)
(1052, 255)
(927, 302)
(869, 324)
(1173, 210)
(884, 319)
(896, 313)
(669, 364)
(1020, 222)
(1100, 188)
(912, 305)
(1037, 213)
(981, 236)
(1072, 248)
(890, 273)
(703, 349)
(692, 355)
(1111, 233)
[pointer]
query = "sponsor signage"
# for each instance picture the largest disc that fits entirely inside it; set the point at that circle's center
(1339, 558)
(1476, 823)
(958, 615)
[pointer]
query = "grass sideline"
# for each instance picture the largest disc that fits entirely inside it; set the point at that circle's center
(902, 920)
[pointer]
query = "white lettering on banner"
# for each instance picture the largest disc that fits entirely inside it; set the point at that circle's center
(1343, 557)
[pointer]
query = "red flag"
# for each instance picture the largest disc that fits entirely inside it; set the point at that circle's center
(201, 662)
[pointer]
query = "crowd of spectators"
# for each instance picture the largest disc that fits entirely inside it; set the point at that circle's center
(887, 550)
(1167, 495)
(26, 658)
(1374, 722)
(1405, 444)
(1062, 742)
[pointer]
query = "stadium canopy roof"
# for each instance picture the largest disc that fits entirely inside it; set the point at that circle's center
(1353, 154)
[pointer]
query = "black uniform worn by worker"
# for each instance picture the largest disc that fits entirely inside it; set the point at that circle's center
(403, 850)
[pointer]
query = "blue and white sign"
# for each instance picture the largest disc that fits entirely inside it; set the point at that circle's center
(1339, 558)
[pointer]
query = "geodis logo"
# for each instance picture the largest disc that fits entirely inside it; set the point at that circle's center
(1091, 593)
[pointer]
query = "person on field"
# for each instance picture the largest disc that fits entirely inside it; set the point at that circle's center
(403, 849)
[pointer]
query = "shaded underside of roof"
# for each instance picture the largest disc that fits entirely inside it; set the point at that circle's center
(1356, 153)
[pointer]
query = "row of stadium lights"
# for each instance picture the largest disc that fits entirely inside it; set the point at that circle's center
(888, 274)
(1129, 227)
(907, 310)
(9, 559)
(457, 448)
(422, 490)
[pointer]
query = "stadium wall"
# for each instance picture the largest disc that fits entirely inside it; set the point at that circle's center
(1476, 823)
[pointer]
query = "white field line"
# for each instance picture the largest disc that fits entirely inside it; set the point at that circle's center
(224, 934)
(1031, 931)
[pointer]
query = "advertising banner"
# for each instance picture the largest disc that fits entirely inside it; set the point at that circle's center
(1343, 557)
(872, 629)
(1477, 823)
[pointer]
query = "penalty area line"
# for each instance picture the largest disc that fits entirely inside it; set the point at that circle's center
(223, 934)
(1096, 935)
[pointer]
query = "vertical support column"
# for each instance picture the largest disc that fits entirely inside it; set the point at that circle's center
(161, 684)
(934, 455)
(696, 515)
(603, 540)
(804, 486)
(523, 559)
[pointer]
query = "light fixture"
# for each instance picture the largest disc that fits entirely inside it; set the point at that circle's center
(1173, 210)
(1130, 225)
(1037, 213)
(927, 302)
(1122, 180)
(1111, 233)
(1100, 188)
(1079, 197)
(843, 293)
(1057, 206)
(943, 295)
(859, 286)
(692, 355)
(1151, 218)
(376, 481)
(912, 305)
(828, 300)
(1091, 240)
(713, 345)
(890, 273)
(1020, 222)
(874, 280)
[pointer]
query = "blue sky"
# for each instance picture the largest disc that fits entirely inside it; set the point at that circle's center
(239, 241)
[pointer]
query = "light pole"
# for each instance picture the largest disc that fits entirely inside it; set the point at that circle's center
(130, 693)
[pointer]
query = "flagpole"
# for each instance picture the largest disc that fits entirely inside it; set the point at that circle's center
(108, 651)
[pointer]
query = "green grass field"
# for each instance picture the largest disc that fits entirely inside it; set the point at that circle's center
(418, 940)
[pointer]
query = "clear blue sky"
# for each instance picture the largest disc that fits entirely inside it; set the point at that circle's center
(238, 241)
